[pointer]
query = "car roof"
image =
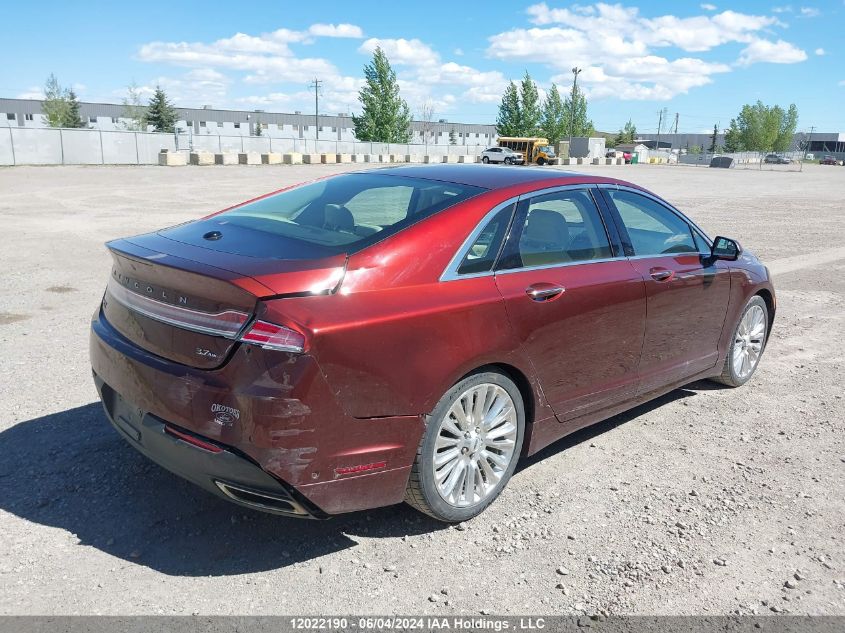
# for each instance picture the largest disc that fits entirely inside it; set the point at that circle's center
(490, 176)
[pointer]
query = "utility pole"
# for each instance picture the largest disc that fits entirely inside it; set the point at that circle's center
(315, 85)
(575, 71)
(662, 114)
(676, 122)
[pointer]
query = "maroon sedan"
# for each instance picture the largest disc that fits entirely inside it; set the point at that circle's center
(409, 333)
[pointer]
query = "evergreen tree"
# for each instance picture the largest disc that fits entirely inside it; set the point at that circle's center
(509, 117)
(529, 100)
(453, 140)
(385, 116)
(575, 111)
(73, 117)
(713, 138)
(56, 104)
(258, 128)
(553, 122)
(160, 113)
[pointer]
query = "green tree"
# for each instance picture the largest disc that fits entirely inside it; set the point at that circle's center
(762, 128)
(453, 139)
(626, 134)
(133, 110)
(575, 111)
(385, 117)
(786, 129)
(57, 104)
(258, 128)
(553, 122)
(732, 140)
(74, 119)
(160, 113)
(529, 101)
(695, 149)
(508, 121)
(713, 139)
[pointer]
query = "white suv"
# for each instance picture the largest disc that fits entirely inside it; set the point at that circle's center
(502, 155)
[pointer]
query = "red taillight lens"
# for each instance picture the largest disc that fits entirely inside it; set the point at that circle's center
(272, 336)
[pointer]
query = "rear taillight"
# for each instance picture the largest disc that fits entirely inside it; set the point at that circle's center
(272, 336)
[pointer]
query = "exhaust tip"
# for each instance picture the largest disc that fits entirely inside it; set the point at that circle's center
(262, 500)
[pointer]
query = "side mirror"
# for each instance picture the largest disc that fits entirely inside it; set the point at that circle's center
(725, 248)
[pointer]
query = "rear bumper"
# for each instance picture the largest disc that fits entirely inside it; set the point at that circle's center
(283, 432)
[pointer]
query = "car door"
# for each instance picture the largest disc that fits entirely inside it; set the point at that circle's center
(687, 292)
(574, 301)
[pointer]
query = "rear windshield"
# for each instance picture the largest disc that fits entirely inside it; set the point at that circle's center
(337, 215)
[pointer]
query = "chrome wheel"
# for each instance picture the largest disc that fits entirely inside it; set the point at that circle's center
(748, 341)
(475, 444)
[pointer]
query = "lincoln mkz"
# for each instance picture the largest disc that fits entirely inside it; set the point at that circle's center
(408, 334)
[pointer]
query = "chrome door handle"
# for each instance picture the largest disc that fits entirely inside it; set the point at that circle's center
(661, 275)
(542, 293)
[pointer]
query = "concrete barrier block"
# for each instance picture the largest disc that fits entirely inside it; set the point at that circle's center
(450, 158)
(311, 159)
(397, 158)
(358, 158)
(413, 158)
(432, 158)
(271, 158)
(466, 159)
(372, 158)
(226, 158)
(249, 158)
(294, 158)
(383, 158)
(328, 159)
(342, 158)
(172, 159)
(201, 158)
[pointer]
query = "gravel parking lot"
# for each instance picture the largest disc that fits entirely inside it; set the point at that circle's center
(709, 500)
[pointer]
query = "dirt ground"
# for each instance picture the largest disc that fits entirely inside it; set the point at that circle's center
(707, 501)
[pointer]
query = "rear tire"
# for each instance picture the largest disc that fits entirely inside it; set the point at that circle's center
(470, 448)
(485, 160)
(747, 344)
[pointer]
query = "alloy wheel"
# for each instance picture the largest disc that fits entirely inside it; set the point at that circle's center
(475, 444)
(748, 341)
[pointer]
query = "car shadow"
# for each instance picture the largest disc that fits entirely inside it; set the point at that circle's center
(599, 428)
(72, 471)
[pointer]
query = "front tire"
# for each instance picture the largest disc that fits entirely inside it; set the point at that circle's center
(747, 344)
(485, 160)
(470, 448)
(541, 161)
(508, 160)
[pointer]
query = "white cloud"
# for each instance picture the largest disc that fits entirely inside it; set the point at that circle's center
(458, 52)
(810, 12)
(819, 51)
(779, 52)
(336, 30)
(402, 52)
(33, 92)
(784, 9)
(615, 45)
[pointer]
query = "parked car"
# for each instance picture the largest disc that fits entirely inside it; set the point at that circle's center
(502, 155)
(774, 159)
(829, 160)
(410, 333)
(618, 153)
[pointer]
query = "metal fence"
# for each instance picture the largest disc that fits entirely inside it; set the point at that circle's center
(55, 146)
(746, 160)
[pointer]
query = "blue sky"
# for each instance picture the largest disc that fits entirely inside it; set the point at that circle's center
(700, 60)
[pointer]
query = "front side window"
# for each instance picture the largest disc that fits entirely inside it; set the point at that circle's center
(652, 228)
(559, 228)
(328, 217)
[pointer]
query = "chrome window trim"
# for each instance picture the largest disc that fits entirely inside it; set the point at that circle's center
(450, 273)
(582, 262)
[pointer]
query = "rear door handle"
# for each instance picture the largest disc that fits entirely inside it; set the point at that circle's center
(544, 291)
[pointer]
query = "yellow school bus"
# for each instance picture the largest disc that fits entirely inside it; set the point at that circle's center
(535, 149)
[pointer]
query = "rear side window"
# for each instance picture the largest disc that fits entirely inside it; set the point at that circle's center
(559, 228)
(483, 252)
(652, 228)
(337, 215)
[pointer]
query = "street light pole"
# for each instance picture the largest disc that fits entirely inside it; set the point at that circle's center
(316, 86)
(575, 72)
